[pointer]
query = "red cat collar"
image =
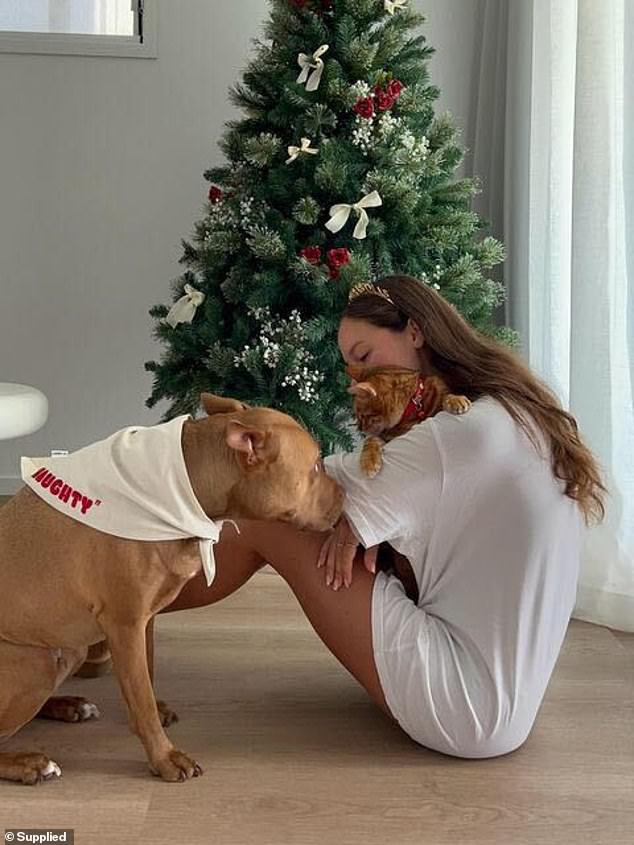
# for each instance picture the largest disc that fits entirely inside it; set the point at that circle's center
(415, 409)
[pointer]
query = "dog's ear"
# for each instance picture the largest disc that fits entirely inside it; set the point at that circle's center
(213, 404)
(362, 388)
(258, 445)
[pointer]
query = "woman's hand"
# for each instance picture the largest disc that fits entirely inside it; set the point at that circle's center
(338, 553)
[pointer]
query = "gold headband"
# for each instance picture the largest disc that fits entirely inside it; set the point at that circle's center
(367, 289)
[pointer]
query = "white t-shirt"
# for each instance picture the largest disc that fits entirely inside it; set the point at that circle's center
(494, 545)
(133, 484)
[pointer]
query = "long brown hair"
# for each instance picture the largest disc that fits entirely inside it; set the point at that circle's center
(475, 365)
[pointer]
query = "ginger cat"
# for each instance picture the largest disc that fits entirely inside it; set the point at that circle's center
(388, 401)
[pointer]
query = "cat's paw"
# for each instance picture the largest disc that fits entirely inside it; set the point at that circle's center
(456, 404)
(371, 457)
(370, 469)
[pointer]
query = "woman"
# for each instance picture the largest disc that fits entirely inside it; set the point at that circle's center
(455, 636)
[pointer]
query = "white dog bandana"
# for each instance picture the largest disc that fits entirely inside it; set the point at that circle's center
(134, 484)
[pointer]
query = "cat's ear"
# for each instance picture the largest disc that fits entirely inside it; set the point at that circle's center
(362, 388)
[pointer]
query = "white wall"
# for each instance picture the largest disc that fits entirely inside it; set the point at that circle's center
(453, 28)
(101, 163)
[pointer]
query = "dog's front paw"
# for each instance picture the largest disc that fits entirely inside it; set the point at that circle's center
(176, 767)
(166, 714)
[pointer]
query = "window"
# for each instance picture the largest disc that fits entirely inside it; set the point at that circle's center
(83, 27)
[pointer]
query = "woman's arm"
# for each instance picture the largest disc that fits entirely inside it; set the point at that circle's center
(399, 503)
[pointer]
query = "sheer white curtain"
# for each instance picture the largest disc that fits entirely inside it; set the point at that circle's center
(558, 162)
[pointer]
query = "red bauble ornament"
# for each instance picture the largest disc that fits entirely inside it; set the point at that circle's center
(312, 254)
(215, 194)
(364, 107)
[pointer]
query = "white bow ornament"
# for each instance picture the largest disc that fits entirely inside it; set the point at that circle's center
(183, 310)
(293, 152)
(312, 67)
(392, 5)
(340, 213)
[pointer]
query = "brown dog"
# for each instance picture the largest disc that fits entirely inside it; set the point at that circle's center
(67, 586)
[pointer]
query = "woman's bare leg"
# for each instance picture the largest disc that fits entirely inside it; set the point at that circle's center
(342, 619)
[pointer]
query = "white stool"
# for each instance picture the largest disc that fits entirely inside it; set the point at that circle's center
(23, 410)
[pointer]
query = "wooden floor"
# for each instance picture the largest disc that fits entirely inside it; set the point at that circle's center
(295, 754)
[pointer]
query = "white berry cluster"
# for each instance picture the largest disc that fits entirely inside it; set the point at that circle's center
(220, 216)
(306, 381)
(362, 135)
(387, 125)
(435, 275)
(276, 337)
(246, 210)
(241, 170)
(358, 91)
(414, 148)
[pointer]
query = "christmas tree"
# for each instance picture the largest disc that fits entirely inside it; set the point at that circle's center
(339, 173)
